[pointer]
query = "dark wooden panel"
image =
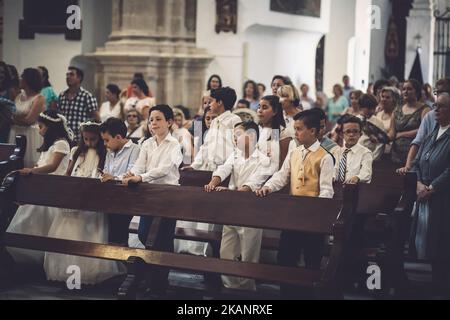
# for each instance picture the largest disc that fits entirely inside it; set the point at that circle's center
(268, 273)
(184, 203)
(6, 150)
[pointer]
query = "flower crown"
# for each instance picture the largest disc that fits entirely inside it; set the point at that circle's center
(62, 119)
(89, 124)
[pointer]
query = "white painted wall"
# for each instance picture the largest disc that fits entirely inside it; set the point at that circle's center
(274, 43)
(53, 51)
(342, 29)
(361, 46)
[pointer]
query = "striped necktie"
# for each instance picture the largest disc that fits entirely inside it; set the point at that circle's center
(343, 166)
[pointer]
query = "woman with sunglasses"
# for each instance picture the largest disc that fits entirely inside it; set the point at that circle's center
(135, 129)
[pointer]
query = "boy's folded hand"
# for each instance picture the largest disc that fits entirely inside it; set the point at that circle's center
(263, 192)
(107, 177)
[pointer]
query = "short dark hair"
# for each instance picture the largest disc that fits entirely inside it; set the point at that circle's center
(310, 118)
(445, 83)
(164, 109)
(226, 95)
(243, 101)
(114, 89)
(33, 79)
(320, 113)
(262, 85)
(249, 125)
(352, 119)
(278, 77)
(78, 71)
(114, 127)
(368, 101)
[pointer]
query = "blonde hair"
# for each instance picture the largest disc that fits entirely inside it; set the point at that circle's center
(177, 112)
(287, 91)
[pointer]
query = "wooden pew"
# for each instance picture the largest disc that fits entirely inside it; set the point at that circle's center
(313, 215)
(11, 156)
(384, 205)
(382, 225)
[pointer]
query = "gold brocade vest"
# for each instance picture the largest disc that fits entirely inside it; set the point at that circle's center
(305, 175)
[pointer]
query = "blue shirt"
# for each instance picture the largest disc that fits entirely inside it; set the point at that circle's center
(426, 128)
(119, 163)
(10, 104)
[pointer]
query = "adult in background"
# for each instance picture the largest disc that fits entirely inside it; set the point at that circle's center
(112, 107)
(406, 121)
(251, 94)
(432, 221)
(76, 103)
(29, 103)
(51, 99)
(337, 104)
(306, 101)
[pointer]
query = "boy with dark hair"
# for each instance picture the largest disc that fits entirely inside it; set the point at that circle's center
(309, 170)
(121, 156)
(248, 168)
(218, 144)
(325, 142)
(353, 161)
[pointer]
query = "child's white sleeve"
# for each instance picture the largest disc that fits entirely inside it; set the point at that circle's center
(140, 164)
(281, 178)
(326, 177)
(62, 146)
(224, 171)
(169, 162)
(365, 173)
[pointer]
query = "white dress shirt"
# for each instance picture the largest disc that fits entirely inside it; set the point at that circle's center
(359, 163)
(251, 172)
(219, 143)
(159, 164)
(282, 177)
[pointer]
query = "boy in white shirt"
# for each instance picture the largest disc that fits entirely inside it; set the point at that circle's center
(218, 144)
(353, 162)
(309, 169)
(158, 163)
(249, 168)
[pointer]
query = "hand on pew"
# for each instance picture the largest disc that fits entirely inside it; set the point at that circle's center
(107, 177)
(26, 171)
(187, 168)
(263, 192)
(353, 180)
(403, 171)
(130, 179)
(213, 184)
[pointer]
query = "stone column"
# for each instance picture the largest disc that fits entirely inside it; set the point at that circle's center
(420, 32)
(157, 38)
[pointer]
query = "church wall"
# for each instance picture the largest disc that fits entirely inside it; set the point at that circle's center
(342, 29)
(53, 50)
(266, 43)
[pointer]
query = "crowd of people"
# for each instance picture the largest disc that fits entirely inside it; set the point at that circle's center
(262, 142)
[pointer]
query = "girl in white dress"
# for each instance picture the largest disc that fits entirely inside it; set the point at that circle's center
(82, 225)
(29, 103)
(54, 159)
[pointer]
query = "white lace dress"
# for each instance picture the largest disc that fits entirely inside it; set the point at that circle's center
(37, 220)
(82, 226)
